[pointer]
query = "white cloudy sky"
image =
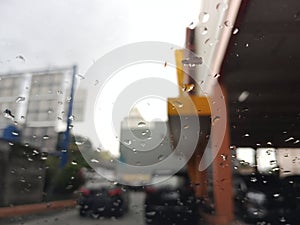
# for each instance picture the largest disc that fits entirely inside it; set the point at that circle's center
(63, 32)
(56, 33)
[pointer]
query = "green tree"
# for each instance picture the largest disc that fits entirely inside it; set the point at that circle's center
(62, 182)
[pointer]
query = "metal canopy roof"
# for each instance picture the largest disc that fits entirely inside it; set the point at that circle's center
(263, 61)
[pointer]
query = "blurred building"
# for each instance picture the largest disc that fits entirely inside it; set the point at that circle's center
(143, 143)
(146, 148)
(36, 102)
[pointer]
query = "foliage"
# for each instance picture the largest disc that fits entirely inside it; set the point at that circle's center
(64, 181)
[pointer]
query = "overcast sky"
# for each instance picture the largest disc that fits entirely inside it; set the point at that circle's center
(63, 32)
(38, 34)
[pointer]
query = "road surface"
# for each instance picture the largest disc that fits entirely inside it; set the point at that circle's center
(135, 216)
(71, 217)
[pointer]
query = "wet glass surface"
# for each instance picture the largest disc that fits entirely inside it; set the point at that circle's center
(79, 100)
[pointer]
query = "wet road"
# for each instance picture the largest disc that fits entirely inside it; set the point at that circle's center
(135, 216)
(71, 216)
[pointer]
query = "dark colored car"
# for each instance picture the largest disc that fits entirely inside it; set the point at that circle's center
(102, 198)
(266, 198)
(170, 202)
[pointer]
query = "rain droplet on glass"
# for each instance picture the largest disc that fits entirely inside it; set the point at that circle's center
(269, 151)
(243, 96)
(228, 24)
(43, 157)
(20, 57)
(94, 161)
(289, 139)
(282, 220)
(46, 137)
(69, 99)
(72, 117)
(141, 124)
(217, 76)
(203, 17)
(232, 147)
(150, 213)
(235, 31)
(20, 99)
(216, 119)
(160, 157)
(80, 142)
(297, 16)
(143, 144)
(8, 114)
(224, 157)
(127, 142)
(203, 30)
(276, 195)
(80, 76)
(207, 41)
(178, 104)
(35, 152)
(222, 6)
(188, 87)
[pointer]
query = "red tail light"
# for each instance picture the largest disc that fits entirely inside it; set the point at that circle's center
(150, 189)
(85, 192)
(114, 192)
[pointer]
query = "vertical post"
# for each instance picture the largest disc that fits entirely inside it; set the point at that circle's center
(65, 145)
(222, 178)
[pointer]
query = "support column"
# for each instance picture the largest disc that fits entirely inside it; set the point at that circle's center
(222, 181)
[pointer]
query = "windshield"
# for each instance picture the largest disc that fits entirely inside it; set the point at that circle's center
(130, 95)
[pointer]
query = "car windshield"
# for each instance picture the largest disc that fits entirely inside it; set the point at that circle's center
(149, 112)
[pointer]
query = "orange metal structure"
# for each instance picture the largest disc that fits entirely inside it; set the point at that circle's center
(221, 167)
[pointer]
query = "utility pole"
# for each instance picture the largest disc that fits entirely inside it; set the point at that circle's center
(66, 141)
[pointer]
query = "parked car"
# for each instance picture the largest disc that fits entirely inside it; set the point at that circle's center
(102, 198)
(170, 202)
(265, 198)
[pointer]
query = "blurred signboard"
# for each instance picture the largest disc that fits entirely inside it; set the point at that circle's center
(289, 161)
(36, 103)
